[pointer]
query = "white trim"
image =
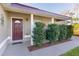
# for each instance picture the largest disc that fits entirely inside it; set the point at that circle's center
(3, 45)
(22, 29)
(32, 24)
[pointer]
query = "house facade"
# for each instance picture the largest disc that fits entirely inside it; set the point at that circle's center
(17, 22)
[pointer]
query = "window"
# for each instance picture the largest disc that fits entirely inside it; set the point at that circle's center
(17, 21)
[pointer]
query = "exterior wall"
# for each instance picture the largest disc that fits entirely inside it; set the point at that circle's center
(44, 20)
(3, 30)
(26, 22)
(3, 27)
(60, 22)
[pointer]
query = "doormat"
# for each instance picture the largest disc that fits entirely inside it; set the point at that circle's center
(17, 43)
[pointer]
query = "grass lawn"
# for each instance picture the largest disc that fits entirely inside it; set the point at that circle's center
(72, 52)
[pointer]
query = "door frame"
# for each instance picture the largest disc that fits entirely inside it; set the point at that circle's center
(22, 29)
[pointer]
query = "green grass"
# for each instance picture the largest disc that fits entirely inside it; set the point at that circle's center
(72, 52)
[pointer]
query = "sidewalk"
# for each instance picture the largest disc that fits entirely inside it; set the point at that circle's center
(21, 49)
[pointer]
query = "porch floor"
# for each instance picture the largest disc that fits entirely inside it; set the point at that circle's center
(22, 50)
(19, 49)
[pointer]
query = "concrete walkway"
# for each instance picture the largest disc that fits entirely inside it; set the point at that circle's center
(17, 50)
(21, 50)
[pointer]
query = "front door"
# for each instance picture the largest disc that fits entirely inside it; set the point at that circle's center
(17, 29)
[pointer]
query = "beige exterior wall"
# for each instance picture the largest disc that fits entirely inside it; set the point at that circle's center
(44, 20)
(26, 22)
(3, 27)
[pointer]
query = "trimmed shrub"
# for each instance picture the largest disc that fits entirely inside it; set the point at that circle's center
(66, 32)
(52, 32)
(69, 31)
(59, 32)
(63, 32)
(38, 34)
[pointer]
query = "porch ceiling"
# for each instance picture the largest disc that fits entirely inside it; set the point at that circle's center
(16, 7)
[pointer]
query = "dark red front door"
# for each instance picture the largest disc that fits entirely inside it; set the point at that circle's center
(17, 29)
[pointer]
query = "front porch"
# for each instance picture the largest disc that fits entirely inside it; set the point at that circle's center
(28, 21)
(17, 49)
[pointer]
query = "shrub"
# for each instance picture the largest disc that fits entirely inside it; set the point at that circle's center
(59, 32)
(66, 32)
(63, 32)
(38, 34)
(52, 32)
(69, 31)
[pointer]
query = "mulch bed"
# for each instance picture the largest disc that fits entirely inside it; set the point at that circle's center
(33, 47)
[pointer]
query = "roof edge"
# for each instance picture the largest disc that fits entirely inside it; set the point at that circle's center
(39, 9)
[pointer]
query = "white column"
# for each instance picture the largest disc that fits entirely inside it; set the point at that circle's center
(31, 17)
(52, 20)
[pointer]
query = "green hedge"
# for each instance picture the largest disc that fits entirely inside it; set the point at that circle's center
(52, 32)
(63, 32)
(59, 32)
(38, 34)
(69, 31)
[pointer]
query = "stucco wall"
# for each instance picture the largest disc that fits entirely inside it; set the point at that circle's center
(44, 20)
(3, 27)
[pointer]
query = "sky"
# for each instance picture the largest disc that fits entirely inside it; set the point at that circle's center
(52, 7)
